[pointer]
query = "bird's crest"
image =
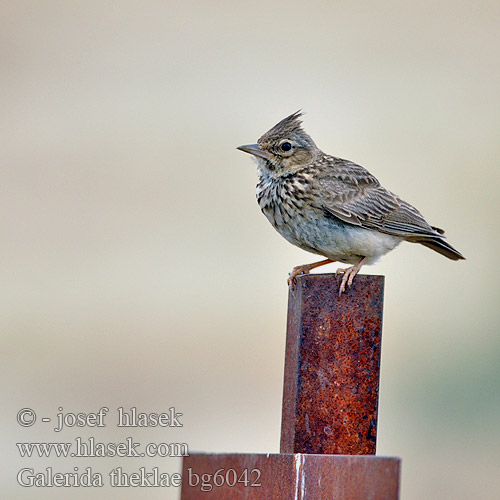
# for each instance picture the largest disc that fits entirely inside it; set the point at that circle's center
(288, 126)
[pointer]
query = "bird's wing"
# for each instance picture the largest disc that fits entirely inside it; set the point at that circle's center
(351, 193)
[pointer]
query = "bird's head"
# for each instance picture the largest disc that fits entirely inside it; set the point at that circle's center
(284, 148)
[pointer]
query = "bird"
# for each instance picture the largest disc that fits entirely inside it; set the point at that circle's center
(332, 207)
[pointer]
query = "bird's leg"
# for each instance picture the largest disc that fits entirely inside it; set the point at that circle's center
(349, 274)
(304, 269)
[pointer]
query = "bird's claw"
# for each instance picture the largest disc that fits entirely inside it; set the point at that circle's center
(304, 269)
(292, 275)
(349, 274)
(346, 279)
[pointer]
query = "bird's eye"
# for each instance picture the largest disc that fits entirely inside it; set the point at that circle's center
(286, 146)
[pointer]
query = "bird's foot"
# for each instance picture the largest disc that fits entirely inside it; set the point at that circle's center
(296, 271)
(349, 274)
(304, 269)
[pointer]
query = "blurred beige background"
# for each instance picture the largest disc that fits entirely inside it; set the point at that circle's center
(137, 269)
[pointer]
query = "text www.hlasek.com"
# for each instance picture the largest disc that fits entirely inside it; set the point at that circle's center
(91, 448)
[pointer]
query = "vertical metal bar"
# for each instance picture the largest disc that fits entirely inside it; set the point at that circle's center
(332, 366)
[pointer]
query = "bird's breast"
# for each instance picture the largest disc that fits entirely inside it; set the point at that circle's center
(289, 206)
(288, 203)
(283, 200)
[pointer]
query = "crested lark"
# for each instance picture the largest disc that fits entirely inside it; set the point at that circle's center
(332, 207)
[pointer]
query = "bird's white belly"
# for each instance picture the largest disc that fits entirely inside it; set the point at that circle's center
(338, 241)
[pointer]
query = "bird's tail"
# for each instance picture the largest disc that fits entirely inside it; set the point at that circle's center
(440, 246)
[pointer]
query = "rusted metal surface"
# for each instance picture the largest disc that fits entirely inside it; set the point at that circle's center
(288, 476)
(330, 402)
(332, 363)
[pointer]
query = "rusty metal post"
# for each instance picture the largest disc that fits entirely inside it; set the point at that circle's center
(330, 399)
(289, 476)
(332, 365)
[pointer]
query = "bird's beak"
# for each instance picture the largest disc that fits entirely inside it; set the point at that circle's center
(254, 149)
